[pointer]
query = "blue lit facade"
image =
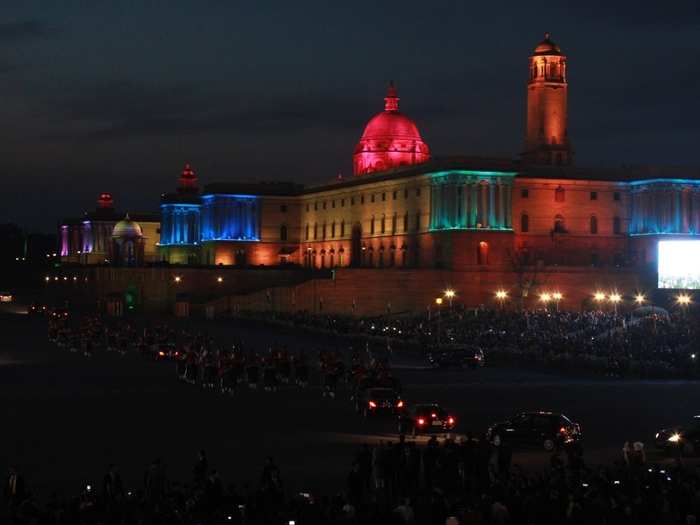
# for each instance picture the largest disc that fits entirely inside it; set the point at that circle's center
(665, 206)
(470, 200)
(180, 224)
(230, 218)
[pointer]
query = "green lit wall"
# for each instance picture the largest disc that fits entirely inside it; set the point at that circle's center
(471, 200)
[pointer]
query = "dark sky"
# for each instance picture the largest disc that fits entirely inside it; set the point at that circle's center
(117, 96)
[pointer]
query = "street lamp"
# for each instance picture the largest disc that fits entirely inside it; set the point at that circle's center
(501, 296)
(545, 298)
(614, 299)
(178, 279)
(438, 302)
(219, 279)
(450, 294)
(640, 299)
(557, 296)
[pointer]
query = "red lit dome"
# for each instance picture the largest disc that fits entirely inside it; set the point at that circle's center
(547, 47)
(390, 140)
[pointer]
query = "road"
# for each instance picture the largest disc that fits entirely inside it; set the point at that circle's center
(66, 417)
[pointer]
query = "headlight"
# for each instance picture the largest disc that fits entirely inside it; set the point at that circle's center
(675, 438)
(657, 436)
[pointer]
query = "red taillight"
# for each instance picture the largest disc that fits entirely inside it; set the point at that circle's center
(421, 421)
(450, 420)
(372, 404)
(399, 404)
(562, 430)
(433, 415)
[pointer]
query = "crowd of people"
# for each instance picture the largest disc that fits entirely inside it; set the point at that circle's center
(656, 345)
(471, 482)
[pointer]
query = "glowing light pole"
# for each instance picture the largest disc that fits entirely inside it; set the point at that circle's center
(438, 302)
(614, 299)
(599, 298)
(557, 296)
(450, 294)
(683, 300)
(502, 297)
(640, 299)
(545, 298)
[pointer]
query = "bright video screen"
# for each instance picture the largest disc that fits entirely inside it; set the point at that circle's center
(679, 264)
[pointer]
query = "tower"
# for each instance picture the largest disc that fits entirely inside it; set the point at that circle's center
(188, 180)
(546, 140)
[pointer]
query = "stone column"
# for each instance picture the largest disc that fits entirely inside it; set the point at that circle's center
(501, 205)
(492, 204)
(508, 205)
(473, 204)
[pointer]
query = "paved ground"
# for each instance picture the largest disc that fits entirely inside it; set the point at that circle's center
(65, 417)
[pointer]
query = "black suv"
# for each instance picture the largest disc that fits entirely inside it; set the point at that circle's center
(548, 430)
(373, 401)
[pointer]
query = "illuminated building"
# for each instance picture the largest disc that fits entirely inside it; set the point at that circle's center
(89, 239)
(482, 222)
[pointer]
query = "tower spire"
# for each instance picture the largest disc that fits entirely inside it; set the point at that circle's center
(188, 179)
(391, 101)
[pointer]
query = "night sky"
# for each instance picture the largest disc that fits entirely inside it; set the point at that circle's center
(118, 96)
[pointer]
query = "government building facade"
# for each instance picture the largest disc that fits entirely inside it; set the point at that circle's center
(403, 209)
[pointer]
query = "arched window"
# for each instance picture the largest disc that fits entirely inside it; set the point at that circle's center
(394, 220)
(594, 224)
(405, 222)
(524, 223)
(482, 253)
(617, 225)
(315, 230)
(333, 230)
(418, 221)
(307, 231)
(559, 226)
(324, 230)
(559, 194)
(283, 233)
(383, 223)
(342, 228)
(371, 226)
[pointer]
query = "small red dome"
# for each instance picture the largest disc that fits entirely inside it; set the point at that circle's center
(547, 47)
(390, 140)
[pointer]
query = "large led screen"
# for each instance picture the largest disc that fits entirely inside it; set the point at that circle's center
(679, 264)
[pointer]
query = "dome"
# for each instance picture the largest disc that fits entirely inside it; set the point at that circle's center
(547, 47)
(390, 139)
(127, 229)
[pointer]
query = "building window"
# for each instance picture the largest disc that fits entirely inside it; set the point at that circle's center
(324, 230)
(524, 193)
(405, 193)
(482, 253)
(307, 231)
(417, 192)
(616, 196)
(362, 199)
(371, 226)
(342, 203)
(393, 195)
(372, 197)
(405, 222)
(594, 259)
(315, 206)
(594, 195)
(383, 223)
(283, 233)
(559, 226)
(394, 220)
(383, 196)
(524, 223)
(342, 228)
(352, 200)
(307, 207)
(418, 221)
(594, 225)
(333, 203)
(559, 194)
(315, 231)
(333, 230)
(616, 225)
(324, 205)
